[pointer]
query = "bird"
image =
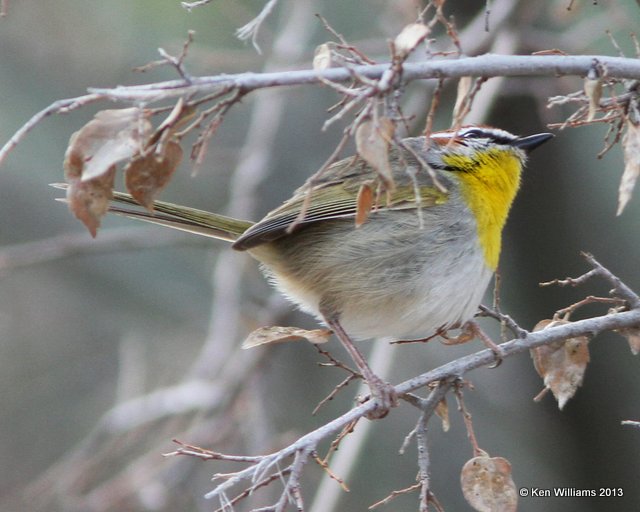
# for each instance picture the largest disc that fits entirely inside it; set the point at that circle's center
(412, 261)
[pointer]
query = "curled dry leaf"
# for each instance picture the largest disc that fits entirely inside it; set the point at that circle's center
(364, 203)
(91, 157)
(372, 143)
(631, 152)
(409, 38)
(322, 57)
(442, 411)
(112, 136)
(146, 175)
(593, 91)
(487, 484)
(632, 334)
(562, 363)
(89, 200)
(276, 334)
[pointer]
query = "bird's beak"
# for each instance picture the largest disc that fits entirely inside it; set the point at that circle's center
(532, 141)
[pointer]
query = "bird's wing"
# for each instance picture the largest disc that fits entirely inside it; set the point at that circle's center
(338, 200)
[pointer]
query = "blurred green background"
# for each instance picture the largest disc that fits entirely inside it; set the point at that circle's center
(81, 333)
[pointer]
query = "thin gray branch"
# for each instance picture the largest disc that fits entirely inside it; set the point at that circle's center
(482, 66)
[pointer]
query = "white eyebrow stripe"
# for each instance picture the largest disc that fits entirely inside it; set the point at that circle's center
(442, 135)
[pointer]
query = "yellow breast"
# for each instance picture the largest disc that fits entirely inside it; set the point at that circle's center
(489, 182)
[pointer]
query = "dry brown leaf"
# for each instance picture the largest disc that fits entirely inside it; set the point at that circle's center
(632, 334)
(364, 203)
(593, 91)
(276, 334)
(631, 153)
(147, 175)
(562, 363)
(322, 57)
(91, 157)
(487, 484)
(372, 143)
(409, 38)
(89, 200)
(112, 136)
(442, 411)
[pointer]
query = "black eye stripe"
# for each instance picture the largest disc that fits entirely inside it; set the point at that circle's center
(479, 133)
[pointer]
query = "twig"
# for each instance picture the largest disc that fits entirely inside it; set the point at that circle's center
(395, 494)
(334, 392)
(198, 3)
(504, 320)
(590, 299)
(204, 454)
(435, 102)
(176, 62)
(323, 464)
(619, 288)
(355, 53)
(57, 107)
(199, 148)
(249, 491)
(428, 405)
(423, 462)
(571, 281)
(250, 30)
(468, 423)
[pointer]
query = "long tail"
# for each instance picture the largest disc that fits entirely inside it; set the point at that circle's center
(174, 216)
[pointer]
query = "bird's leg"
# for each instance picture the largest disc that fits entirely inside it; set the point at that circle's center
(382, 392)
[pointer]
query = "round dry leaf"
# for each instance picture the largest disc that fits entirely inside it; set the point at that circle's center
(487, 484)
(561, 364)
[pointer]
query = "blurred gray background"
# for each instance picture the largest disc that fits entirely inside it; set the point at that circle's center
(82, 333)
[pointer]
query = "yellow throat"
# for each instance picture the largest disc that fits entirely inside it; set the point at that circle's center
(489, 182)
